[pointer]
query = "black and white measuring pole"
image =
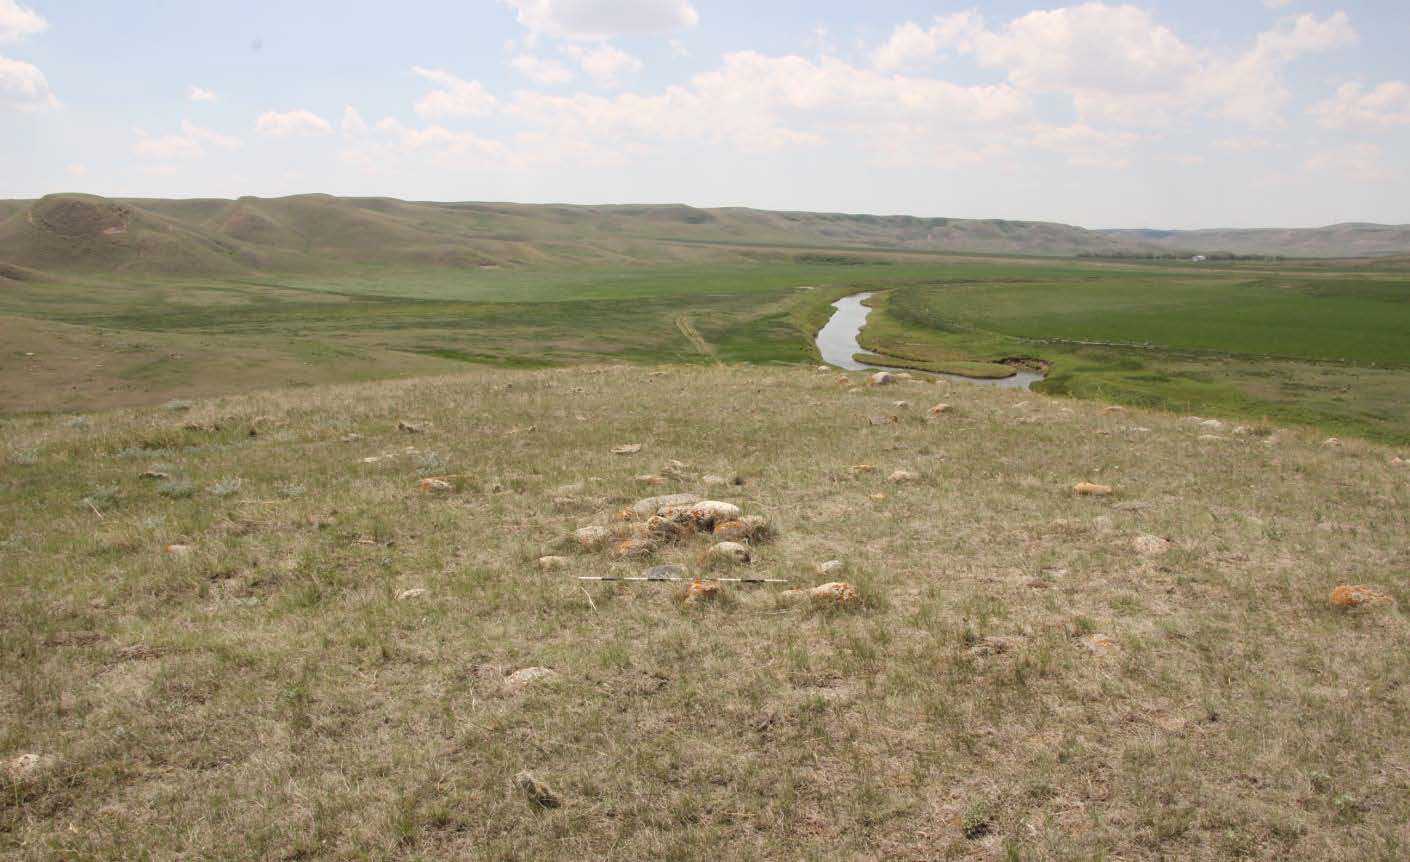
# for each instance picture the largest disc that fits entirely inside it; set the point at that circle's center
(667, 579)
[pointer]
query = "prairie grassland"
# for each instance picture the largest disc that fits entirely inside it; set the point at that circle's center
(1019, 682)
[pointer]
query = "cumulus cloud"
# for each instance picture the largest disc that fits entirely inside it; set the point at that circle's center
(454, 97)
(287, 124)
(392, 142)
(605, 64)
(17, 22)
(23, 87)
(189, 144)
(199, 94)
(1354, 107)
(541, 70)
(1084, 146)
(603, 19)
(1119, 64)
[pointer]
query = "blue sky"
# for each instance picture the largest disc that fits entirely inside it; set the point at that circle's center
(1169, 114)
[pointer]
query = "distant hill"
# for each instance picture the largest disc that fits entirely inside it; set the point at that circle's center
(214, 237)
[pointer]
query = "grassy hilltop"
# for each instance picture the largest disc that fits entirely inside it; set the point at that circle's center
(1029, 673)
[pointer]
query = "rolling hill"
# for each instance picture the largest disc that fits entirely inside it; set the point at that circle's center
(310, 233)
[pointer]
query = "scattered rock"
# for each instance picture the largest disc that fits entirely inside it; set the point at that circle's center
(538, 793)
(1348, 596)
(901, 405)
(1113, 408)
(670, 570)
(1150, 546)
(435, 486)
(154, 474)
(902, 476)
(884, 420)
(1212, 424)
(1332, 442)
(938, 409)
(858, 469)
(710, 480)
(411, 428)
(522, 679)
(732, 531)
(905, 375)
(1090, 489)
(634, 548)
(994, 645)
(592, 538)
(830, 568)
(702, 591)
(842, 380)
(179, 550)
(553, 564)
(1398, 461)
(26, 766)
(669, 532)
(627, 449)
(877, 498)
(1211, 438)
(413, 593)
(731, 552)
(881, 378)
(1100, 644)
(838, 593)
(708, 513)
(653, 505)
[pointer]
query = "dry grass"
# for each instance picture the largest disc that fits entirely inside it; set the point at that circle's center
(1019, 681)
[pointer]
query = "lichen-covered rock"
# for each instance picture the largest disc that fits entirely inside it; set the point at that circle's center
(938, 409)
(553, 564)
(26, 766)
(1091, 489)
(413, 593)
(731, 552)
(839, 594)
(592, 538)
(1359, 596)
(903, 476)
(522, 679)
(435, 486)
(667, 531)
(1150, 546)
(702, 591)
(634, 548)
(653, 505)
(830, 568)
(538, 793)
(881, 378)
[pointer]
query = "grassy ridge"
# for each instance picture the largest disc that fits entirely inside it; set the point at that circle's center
(268, 695)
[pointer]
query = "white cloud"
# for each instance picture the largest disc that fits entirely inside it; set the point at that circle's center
(199, 94)
(1277, 4)
(1362, 163)
(353, 123)
(23, 87)
(190, 144)
(603, 19)
(455, 98)
(604, 63)
(541, 70)
(910, 45)
(1118, 64)
(17, 22)
(297, 123)
(449, 149)
(1246, 144)
(1355, 107)
(77, 170)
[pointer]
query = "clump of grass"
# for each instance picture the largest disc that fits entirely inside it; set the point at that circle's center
(430, 463)
(177, 489)
(290, 490)
(77, 422)
(178, 405)
(227, 487)
(23, 457)
(102, 497)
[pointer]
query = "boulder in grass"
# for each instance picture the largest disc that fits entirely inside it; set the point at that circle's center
(750, 528)
(881, 378)
(903, 476)
(626, 449)
(731, 552)
(1091, 489)
(540, 795)
(653, 505)
(859, 469)
(710, 480)
(435, 486)
(707, 513)
(178, 550)
(553, 564)
(26, 766)
(837, 594)
(1349, 596)
(700, 592)
(413, 593)
(1150, 546)
(1100, 644)
(411, 427)
(667, 531)
(529, 676)
(830, 568)
(1332, 443)
(937, 410)
(884, 420)
(592, 538)
(634, 548)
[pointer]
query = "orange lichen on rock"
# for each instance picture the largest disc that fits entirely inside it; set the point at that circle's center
(702, 591)
(1091, 489)
(1357, 596)
(838, 593)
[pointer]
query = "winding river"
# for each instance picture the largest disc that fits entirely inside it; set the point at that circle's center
(837, 342)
